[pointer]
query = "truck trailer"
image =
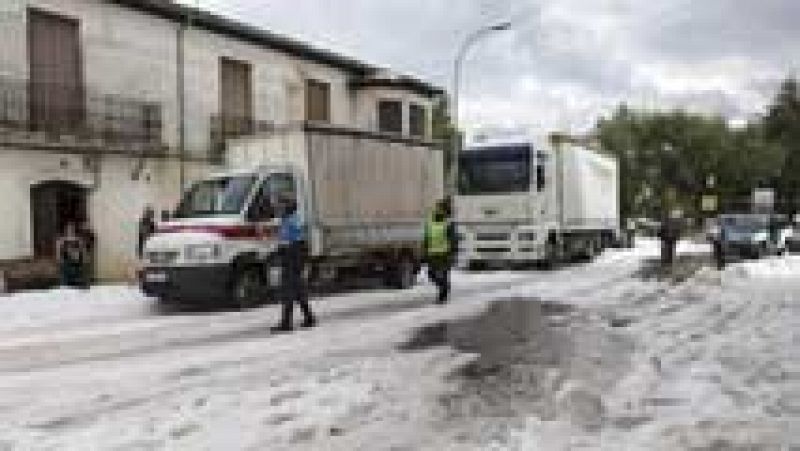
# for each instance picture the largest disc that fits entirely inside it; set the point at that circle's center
(519, 203)
(364, 198)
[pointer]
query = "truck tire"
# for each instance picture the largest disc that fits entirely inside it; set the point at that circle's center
(553, 254)
(402, 275)
(247, 288)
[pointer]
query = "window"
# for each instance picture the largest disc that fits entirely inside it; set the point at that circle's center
(417, 120)
(390, 116)
(220, 196)
(541, 172)
(236, 99)
(318, 101)
(276, 189)
(495, 170)
(56, 97)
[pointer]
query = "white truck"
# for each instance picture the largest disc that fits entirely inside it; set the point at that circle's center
(364, 198)
(519, 203)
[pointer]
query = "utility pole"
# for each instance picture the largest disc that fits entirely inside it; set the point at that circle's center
(183, 30)
(474, 37)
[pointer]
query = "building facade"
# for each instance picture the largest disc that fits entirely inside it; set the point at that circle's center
(107, 106)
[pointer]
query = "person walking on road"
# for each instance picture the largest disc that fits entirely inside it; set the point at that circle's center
(440, 245)
(293, 288)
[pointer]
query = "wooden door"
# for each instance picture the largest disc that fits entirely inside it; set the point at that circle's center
(236, 98)
(56, 73)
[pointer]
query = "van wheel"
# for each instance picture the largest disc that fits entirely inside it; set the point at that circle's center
(403, 274)
(248, 287)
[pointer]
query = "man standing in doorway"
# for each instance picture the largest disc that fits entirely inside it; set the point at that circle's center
(71, 254)
(292, 237)
(440, 246)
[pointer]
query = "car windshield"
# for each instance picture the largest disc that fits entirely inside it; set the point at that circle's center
(744, 223)
(219, 196)
(495, 170)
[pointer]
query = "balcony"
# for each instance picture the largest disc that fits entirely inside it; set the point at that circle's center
(62, 119)
(224, 128)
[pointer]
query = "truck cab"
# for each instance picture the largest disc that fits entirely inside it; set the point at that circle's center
(221, 243)
(520, 203)
(504, 207)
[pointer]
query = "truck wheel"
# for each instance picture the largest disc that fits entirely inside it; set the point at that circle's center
(552, 255)
(403, 274)
(248, 287)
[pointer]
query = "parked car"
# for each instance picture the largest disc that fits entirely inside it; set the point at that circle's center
(752, 235)
(793, 241)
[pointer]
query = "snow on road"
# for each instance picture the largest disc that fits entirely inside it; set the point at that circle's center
(708, 363)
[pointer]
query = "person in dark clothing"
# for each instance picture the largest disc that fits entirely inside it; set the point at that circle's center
(440, 248)
(87, 235)
(147, 227)
(292, 236)
(71, 254)
(669, 234)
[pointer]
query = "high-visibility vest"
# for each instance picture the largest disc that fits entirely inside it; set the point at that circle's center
(438, 243)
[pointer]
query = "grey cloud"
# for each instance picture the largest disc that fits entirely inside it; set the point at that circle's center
(584, 55)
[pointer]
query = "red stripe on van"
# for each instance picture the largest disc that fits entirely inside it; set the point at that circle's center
(234, 232)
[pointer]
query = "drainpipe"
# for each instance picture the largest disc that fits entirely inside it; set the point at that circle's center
(181, 86)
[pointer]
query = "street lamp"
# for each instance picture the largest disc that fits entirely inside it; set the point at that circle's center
(470, 41)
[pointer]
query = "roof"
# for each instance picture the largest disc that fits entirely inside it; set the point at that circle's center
(169, 9)
(398, 82)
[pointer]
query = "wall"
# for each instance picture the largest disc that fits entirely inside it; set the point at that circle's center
(115, 200)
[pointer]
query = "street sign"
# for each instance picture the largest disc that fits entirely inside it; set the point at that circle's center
(763, 200)
(709, 203)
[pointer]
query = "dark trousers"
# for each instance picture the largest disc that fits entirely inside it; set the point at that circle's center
(668, 250)
(293, 287)
(719, 254)
(439, 273)
(72, 274)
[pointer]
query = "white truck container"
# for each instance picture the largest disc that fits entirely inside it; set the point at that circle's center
(522, 204)
(364, 198)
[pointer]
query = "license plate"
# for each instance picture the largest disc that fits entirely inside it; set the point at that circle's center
(155, 277)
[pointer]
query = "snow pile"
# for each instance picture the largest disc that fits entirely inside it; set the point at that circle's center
(43, 309)
(775, 267)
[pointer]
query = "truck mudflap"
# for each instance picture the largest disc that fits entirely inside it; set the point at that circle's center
(187, 284)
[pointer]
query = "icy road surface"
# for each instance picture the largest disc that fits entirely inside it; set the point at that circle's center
(613, 354)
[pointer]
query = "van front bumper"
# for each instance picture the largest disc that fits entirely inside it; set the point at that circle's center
(188, 284)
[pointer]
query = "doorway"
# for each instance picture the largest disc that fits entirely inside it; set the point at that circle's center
(55, 204)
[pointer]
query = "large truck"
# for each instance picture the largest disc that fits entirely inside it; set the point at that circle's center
(364, 198)
(520, 203)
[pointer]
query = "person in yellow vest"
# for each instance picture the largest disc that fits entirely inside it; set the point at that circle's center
(440, 248)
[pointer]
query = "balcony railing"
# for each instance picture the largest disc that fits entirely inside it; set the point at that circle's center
(224, 128)
(63, 118)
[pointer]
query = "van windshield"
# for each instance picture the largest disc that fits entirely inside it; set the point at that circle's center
(219, 196)
(496, 170)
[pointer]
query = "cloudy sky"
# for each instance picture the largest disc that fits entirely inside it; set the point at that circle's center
(564, 62)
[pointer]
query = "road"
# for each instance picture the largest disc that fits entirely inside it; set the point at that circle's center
(609, 354)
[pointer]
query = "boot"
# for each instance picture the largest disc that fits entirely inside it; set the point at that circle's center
(281, 328)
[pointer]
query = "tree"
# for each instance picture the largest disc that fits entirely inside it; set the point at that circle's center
(781, 127)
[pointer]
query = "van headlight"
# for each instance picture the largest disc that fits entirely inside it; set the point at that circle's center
(203, 252)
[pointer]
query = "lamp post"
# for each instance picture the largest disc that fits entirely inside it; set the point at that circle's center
(468, 43)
